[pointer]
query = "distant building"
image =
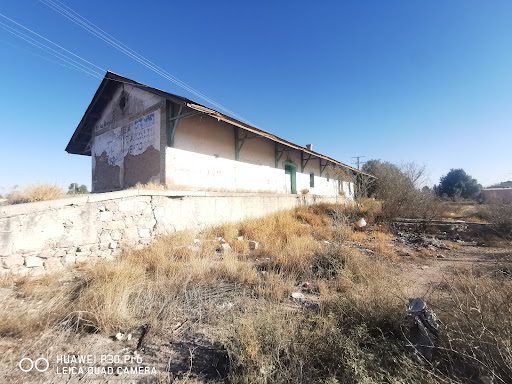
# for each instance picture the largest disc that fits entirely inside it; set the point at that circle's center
(496, 195)
(139, 134)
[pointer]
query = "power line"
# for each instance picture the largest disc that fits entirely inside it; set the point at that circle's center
(357, 161)
(48, 40)
(59, 55)
(84, 23)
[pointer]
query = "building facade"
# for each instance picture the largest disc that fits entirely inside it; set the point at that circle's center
(139, 134)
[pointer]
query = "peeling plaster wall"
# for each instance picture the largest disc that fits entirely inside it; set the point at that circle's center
(127, 140)
(45, 236)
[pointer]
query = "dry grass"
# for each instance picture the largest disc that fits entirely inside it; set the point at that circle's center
(33, 193)
(358, 237)
(371, 208)
(347, 331)
(150, 186)
(382, 248)
(452, 245)
(475, 220)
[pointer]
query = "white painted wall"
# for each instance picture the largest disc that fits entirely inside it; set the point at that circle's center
(187, 170)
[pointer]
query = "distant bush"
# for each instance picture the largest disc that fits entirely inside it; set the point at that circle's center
(304, 191)
(499, 216)
(74, 189)
(36, 192)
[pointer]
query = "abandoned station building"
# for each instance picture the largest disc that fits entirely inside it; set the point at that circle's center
(138, 134)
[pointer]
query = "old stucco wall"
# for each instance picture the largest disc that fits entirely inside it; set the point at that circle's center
(127, 140)
(45, 236)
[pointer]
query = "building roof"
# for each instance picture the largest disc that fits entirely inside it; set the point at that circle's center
(80, 141)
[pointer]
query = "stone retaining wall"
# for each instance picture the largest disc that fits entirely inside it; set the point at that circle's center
(47, 236)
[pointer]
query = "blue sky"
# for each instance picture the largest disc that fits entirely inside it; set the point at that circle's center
(429, 82)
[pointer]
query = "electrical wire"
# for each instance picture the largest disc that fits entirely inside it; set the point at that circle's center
(84, 23)
(73, 63)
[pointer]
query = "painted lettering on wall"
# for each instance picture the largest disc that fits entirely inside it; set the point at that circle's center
(134, 138)
(140, 134)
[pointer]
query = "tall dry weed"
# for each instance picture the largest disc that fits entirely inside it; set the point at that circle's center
(33, 193)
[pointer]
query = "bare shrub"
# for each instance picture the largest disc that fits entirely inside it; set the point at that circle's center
(478, 327)
(33, 193)
(397, 188)
(500, 217)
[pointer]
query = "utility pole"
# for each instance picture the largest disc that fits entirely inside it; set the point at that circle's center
(357, 161)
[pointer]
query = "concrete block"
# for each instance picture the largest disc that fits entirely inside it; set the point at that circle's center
(69, 260)
(37, 271)
(53, 264)
(116, 236)
(68, 242)
(144, 233)
(33, 261)
(13, 261)
(105, 237)
(82, 258)
(112, 245)
(135, 206)
(159, 212)
(23, 271)
(253, 244)
(146, 222)
(104, 246)
(46, 254)
(115, 225)
(105, 216)
(60, 253)
(225, 247)
(96, 197)
(111, 206)
(118, 216)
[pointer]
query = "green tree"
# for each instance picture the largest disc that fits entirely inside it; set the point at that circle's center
(458, 184)
(74, 188)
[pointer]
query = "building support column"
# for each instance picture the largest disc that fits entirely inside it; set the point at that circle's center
(238, 142)
(172, 121)
(278, 153)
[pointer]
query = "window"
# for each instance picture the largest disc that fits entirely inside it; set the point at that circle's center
(328, 177)
(311, 180)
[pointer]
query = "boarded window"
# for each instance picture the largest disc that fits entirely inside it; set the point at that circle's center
(311, 180)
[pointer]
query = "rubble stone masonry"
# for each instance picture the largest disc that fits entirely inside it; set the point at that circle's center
(46, 236)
